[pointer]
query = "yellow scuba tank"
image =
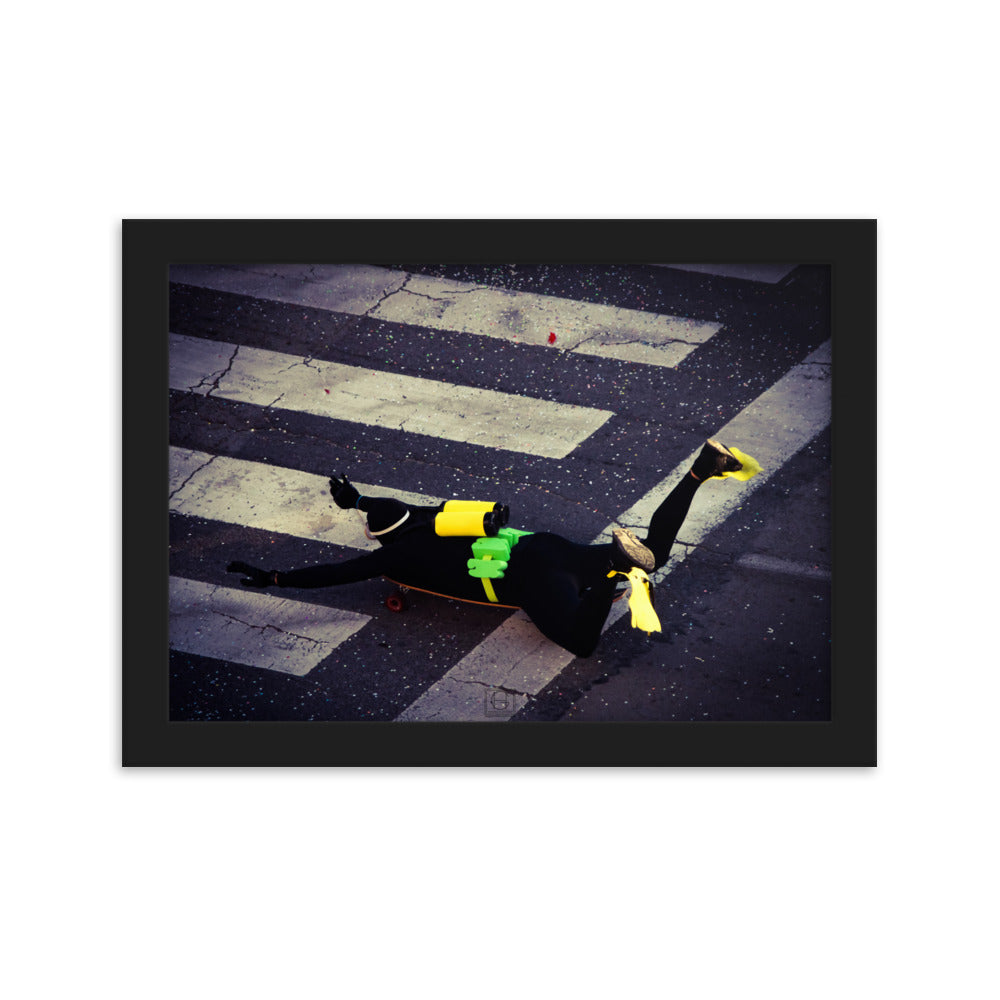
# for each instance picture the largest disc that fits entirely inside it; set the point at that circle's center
(471, 518)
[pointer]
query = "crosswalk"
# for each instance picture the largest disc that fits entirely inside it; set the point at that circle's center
(256, 629)
(419, 406)
(273, 387)
(465, 307)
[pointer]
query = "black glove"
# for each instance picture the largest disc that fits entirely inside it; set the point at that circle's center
(344, 494)
(255, 577)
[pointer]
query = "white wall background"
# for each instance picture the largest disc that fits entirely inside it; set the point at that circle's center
(694, 883)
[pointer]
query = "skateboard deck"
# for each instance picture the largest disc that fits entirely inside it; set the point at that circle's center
(396, 601)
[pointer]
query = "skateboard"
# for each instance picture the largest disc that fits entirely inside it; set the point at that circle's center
(397, 600)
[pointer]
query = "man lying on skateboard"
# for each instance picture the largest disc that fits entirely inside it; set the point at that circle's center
(564, 587)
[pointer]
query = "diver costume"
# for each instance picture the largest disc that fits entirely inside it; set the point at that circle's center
(566, 588)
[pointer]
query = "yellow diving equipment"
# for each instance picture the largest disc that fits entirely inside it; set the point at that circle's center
(640, 599)
(484, 521)
(473, 518)
(750, 467)
(491, 556)
(455, 506)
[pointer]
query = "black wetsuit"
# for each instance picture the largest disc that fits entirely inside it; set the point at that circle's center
(562, 586)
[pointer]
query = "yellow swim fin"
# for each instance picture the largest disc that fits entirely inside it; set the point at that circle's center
(639, 600)
(750, 466)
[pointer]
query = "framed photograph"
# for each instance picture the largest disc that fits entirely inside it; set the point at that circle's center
(499, 493)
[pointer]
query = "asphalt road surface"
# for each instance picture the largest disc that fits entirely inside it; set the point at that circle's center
(575, 394)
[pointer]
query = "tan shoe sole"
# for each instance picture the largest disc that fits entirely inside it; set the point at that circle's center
(633, 550)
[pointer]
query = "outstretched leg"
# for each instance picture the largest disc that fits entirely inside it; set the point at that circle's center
(669, 517)
(714, 460)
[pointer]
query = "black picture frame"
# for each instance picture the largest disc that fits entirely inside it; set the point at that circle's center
(150, 739)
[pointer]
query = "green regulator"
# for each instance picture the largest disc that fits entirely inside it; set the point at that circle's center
(485, 522)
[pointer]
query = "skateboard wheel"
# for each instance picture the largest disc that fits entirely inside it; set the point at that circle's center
(396, 602)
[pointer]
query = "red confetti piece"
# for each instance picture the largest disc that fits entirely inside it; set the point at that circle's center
(327, 391)
(552, 337)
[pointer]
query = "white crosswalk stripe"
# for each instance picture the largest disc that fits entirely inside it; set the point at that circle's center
(255, 629)
(463, 307)
(380, 399)
(270, 498)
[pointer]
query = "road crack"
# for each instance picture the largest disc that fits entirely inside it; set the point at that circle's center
(434, 298)
(423, 295)
(274, 628)
(608, 339)
(216, 377)
(204, 465)
(387, 294)
(305, 362)
(492, 687)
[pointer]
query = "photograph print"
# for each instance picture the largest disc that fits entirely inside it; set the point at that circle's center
(503, 492)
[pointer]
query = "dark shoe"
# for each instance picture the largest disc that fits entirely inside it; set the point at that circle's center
(629, 552)
(714, 460)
